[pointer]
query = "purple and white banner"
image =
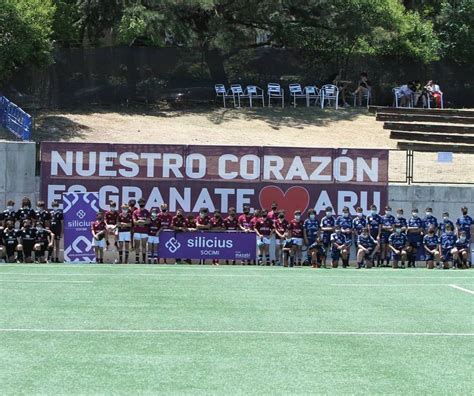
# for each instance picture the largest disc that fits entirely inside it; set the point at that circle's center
(80, 211)
(207, 245)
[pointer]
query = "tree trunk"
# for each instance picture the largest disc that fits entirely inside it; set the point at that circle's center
(215, 63)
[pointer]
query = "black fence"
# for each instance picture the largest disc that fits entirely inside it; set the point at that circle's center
(118, 75)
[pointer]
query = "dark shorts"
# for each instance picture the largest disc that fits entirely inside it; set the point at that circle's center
(446, 255)
(369, 253)
(384, 237)
(28, 249)
(10, 249)
(415, 240)
(57, 234)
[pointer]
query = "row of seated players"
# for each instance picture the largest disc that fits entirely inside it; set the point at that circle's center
(139, 229)
(26, 232)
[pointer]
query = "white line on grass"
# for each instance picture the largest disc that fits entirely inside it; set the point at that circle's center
(462, 289)
(40, 281)
(386, 284)
(263, 332)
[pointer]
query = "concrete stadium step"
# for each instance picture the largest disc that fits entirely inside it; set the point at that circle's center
(434, 128)
(447, 119)
(429, 147)
(428, 137)
(408, 110)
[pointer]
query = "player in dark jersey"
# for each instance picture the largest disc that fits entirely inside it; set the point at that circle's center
(231, 222)
(461, 251)
(25, 213)
(281, 226)
(359, 222)
(8, 214)
(288, 248)
(388, 221)
(141, 219)
(366, 248)
(27, 238)
(98, 229)
(398, 243)
(465, 223)
(124, 227)
(44, 241)
(415, 236)
(400, 221)
(264, 228)
(328, 224)
(10, 241)
(56, 225)
(154, 229)
(431, 245)
(444, 222)
(42, 214)
(429, 220)
(447, 243)
(110, 219)
(312, 239)
(340, 246)
(374, 223)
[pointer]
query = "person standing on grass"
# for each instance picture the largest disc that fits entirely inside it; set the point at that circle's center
(415, 236)
(124, 227)
(398, 242)
(231, 223)
(245, 224)
(340, 246)
(288, 248)
(178, 224)
(466, 224)
(366, 248)
(216, 224)
(374, 223)
(141, 220)
(27, 239)
(57, 228)
(110, 219)
(264, 228)
(447, 246)
(166, 219)
(98, 233)
(461, 251)
(311, 238)
(25, 213)
(132, 206)
(203, 223)
(346, 223)
(297, 233)
(431, 245)
(280, 226)
(400, 221)
(328, 223)
(388, 220)
(10, 241)
(154, 229)
(273, 214)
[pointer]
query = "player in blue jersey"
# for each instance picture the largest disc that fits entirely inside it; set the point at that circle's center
(400, 221)
(340, 246)
(465, 223)
(388, 221)
(366, 248)
(328, 222)
(461, 251)
(374, 223)
(444, 222)
(346, 223)
(359, 222)
(429, 220)
(415, 236)
(312, 239)
(398, 243)
(431, 246)
(447, 245)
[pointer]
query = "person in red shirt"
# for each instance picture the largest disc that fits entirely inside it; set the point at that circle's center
(132, 206)
(165, 219)
(154, 229)
(297, 233)
(245, 220)
(98, 229)
(111, 218)
(178, 224)
(257, 215)
(281, 226)
(273, 214)
(217, 224)
(190, 223)
(124, 227)
(264, 229)
(231, 223)
(203, 222)
(141, 220)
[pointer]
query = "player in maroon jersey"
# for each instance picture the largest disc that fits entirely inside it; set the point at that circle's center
(110, 219)
(273, 214)
(178, 224)
(245, 220)
(98, 232)
(132, 206)
(124, 227)
(217, 224)
(154, 229)
(264, 228)
(297, 233)
(203, 222)
(231, 223)
(141, 220)
(281, 226)
(190, 222)
(165, 219)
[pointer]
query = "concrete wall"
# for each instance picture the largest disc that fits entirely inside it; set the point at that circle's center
(17, 172)
(440, 197)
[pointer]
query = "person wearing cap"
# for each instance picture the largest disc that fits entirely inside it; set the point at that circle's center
(431, 245)
(124, 228)
(398, 243)
(141, 220)
(461, 251)
(98, 228)
(367, 246)
(466, 224)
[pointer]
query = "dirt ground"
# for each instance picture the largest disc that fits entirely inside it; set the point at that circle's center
(301, 127)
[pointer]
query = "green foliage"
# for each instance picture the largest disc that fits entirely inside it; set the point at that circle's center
(25, 34)
(455, 25)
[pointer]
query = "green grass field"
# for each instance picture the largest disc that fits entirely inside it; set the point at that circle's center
(132, 329)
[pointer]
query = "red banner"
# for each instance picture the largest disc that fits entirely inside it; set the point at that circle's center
(217, 177)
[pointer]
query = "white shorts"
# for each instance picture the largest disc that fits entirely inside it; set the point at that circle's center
(266, 240)
(139, 235)
(153, 239)
(124, 236)
(298, 241)
(99, 244)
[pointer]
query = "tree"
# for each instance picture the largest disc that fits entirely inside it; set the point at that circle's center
(25, 34)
